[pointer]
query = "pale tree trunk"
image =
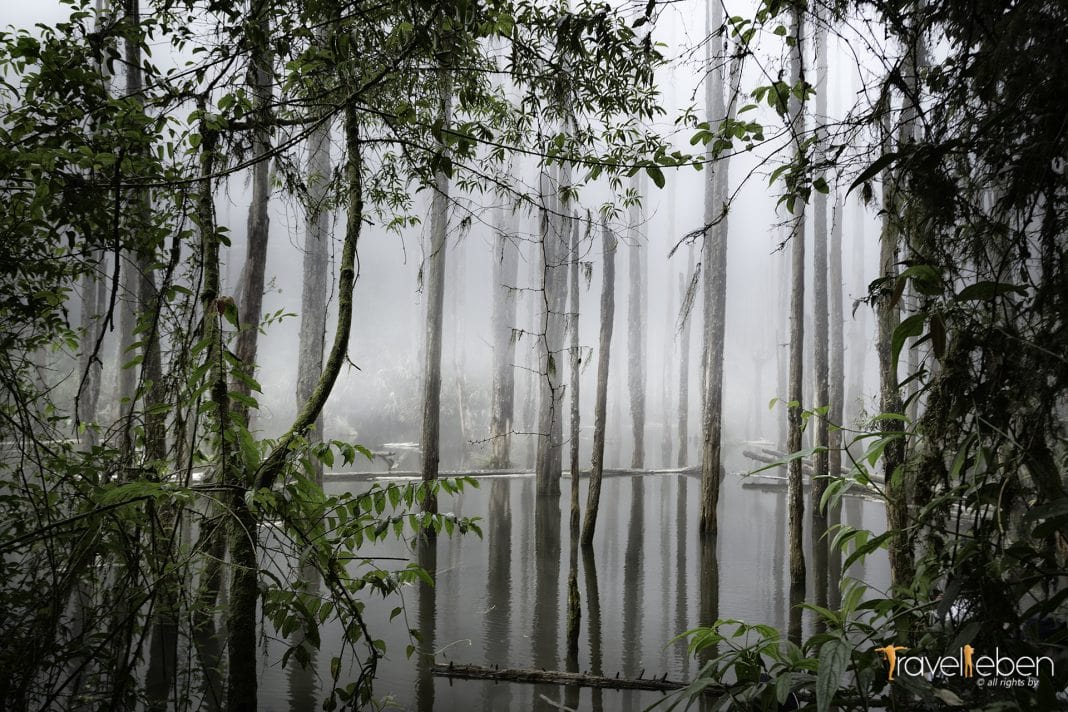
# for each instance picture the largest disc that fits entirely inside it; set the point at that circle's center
(435, 303)
(684, 362)
(821, 334)
(665, 382)
(242, 660)
(837, 384)
(636, 328)
(795, 395)
(554, 294)
(505, 274)
(316, 268)
(532, 381)
(858, 332)
(715, 259)
(782, 329)
(573, 604)
(600, 407)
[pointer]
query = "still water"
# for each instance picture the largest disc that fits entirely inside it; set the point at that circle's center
(502, 599)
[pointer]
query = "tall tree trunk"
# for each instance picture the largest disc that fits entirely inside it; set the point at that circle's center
(532, 381)
(600, 407)
(573, 607)
(505, 274)
(665, 382)
(636, 327)
(797, 332)
(554, 292)
(858, 333)
(715, 259)
(685, 308)
(821, 334)
(837, 382)
(316, 268)
(435, 304)
(241, 685)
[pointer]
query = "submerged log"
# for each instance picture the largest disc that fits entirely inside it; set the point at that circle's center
(558, 677)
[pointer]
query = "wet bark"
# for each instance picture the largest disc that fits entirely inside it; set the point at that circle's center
(593, 497)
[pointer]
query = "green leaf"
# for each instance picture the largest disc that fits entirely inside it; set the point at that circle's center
(877, 165)
(983, 291)
(656, 174)
(834, 658)
(910, 327)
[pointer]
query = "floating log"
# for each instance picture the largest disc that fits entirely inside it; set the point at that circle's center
(769, 457)
(558, 677)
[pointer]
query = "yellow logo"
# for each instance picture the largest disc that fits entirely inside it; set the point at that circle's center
(890, 653)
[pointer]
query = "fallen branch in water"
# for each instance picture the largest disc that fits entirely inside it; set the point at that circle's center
(558, 677)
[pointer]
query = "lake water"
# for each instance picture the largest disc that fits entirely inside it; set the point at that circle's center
(502, 599)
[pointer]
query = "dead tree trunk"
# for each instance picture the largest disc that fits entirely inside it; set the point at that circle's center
(554, 294)
(600, 408)
(573, 603)
(636, 328)
(435, 304)
(316, 268)
(797, 332)
(505, 273)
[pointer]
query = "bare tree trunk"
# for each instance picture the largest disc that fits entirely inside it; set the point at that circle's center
(554, 292)
(858, 334)
(797, 335)
(636, 328)
(821, 335)
(573, 603)
(505, 273)
(837, 385)
(532, 380)
(665, 383)
(600, 408)
(316, 268)
(435, 301)
(684, 364)
(715, 259)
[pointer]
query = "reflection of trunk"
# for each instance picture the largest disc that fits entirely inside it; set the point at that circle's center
(505, 273)
(499, 588)
(709, 588)
(636, 328)
(600, 404)
(682, 621)
(435, 298)
(633, 577)
(573, 606)
(303, 685)
(593, 602)
(797, 335)
(546, 590)
(554, 294)
(316, 268)
(820, 336)
(427, 558)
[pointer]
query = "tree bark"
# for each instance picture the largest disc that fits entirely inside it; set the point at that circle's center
(636, 327)
(574, 610)
(241, 685)
(593, 497)
(505, 273)
(684, 363)
(435, 302)
(316, 268)
(797, 333)
(554, 294)
(821, 334)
